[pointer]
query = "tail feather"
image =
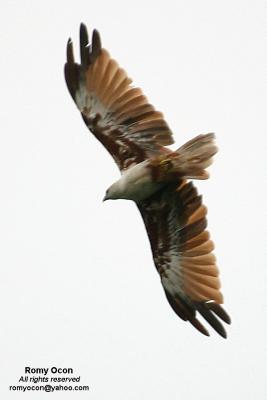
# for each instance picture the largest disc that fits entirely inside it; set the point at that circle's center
(189, 161)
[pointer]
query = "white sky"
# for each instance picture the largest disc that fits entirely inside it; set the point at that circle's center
(78, 287)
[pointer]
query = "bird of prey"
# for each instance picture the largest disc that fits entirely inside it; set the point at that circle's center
(156, 178)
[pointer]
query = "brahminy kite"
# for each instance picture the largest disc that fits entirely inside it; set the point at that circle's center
(156, 178)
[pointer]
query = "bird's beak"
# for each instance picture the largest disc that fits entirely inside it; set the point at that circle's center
(105, 198)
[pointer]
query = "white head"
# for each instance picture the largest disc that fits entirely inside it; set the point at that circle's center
(114, 192)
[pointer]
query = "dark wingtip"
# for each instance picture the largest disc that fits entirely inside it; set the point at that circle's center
(206, 313)
(70, 55)
(222, 332)
(83, 31)
(82, 25)
(96, 44)
(96, 40)
(219, 311)
(195, 322)
(224, 335)
(84, 41)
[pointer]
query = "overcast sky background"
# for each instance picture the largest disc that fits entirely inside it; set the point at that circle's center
(78, 287)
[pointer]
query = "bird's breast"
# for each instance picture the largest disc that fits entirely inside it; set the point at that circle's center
(137, 184)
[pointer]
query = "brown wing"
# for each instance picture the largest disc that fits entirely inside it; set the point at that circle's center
(176, 223)
(117, 113)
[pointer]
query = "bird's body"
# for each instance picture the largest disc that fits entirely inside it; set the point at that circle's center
(154, 177)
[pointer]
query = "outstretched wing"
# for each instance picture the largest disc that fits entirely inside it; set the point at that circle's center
(117, 113)
(176, 223)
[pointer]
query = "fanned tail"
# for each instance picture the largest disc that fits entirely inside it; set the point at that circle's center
(189, 161)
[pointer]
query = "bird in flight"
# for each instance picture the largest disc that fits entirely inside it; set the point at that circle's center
(156, 178)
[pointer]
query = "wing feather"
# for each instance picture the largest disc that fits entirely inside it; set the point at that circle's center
(117, 113)
(176, 223)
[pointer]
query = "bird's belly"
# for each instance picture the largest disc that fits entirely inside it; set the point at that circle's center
(139, 192)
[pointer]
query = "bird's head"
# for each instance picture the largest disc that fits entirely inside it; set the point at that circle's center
(112, 193)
